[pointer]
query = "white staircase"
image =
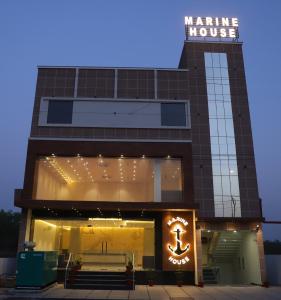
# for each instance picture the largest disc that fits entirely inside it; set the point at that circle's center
(227, 245)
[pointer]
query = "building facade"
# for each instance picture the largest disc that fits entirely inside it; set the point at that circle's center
(151, 166)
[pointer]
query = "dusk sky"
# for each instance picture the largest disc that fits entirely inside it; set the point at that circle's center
(130, 33)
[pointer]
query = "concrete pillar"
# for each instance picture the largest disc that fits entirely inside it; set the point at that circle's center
(261, 255)
(157, 180)
(24, 230)
(74, 243)
(199, 256)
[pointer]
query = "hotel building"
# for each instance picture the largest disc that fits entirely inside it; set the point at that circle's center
(153, 166)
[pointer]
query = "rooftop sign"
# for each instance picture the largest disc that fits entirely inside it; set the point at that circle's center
(210, 28)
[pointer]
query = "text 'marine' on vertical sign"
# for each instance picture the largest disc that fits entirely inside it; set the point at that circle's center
(178, 241)
(209, 28)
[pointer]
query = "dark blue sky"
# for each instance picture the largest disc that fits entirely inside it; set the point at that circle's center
(146, 33)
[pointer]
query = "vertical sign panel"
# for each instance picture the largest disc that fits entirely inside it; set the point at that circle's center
(178, 241)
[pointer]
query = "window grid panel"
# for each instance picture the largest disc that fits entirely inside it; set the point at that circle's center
(223, 150)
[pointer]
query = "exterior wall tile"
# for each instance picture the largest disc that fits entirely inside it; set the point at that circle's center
(192, 58)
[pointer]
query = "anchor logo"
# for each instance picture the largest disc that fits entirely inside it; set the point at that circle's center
(178, 250)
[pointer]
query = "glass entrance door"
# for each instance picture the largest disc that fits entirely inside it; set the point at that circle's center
(99, 243)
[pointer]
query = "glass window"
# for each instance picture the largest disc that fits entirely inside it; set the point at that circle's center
(223, 60)
(226, 89)
(217, 185)
(221, 127)
(208, 60)
(217, 73)
(211, 89)
(108, 179)
(224, 73)
(216, 167)
(227, 109)
(224, 164)
(224, 167)
(227, 98)
(173, 114)
(220, 109)
(99, 243)
(209, 72)
(234, 185)
(218, 89)
(212, 108)
(216, 59)
(219, 97)
(222, 140)
(215, 149)
(226, 185)
(223, 149)
(233, 167)
(60, 112)
(229, 127)
(214, 139)
(213, 127)
(231, 149)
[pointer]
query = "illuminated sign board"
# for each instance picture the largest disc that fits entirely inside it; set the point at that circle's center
(178, 248)
(178, 251)
(211, 28)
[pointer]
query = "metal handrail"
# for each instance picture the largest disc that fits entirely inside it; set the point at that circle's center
(133, 262)
(66, 269)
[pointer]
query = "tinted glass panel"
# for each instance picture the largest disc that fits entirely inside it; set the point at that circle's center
(224, 161)
(60, 112)
(173, 114)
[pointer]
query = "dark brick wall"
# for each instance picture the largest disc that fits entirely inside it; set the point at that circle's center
(135, 84)
(51, 83)
(193, 59)
(94, 83)
(172, 85)
(99, 83)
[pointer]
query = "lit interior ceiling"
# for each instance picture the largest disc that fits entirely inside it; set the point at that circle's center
(99, 169)
(99, 222)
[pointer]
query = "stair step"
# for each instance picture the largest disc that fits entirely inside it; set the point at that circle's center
(79, 281)
(87, 286)
(99, 280)
(97, 277)
(210, 282)
(99, 273)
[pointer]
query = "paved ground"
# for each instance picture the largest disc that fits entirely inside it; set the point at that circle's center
(158, 292)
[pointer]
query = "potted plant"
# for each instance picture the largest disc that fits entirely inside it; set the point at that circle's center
(77, 264)
(129, 267)
(179, 277)
(129, 271)
(151, 275)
